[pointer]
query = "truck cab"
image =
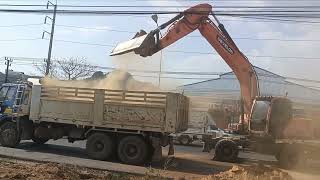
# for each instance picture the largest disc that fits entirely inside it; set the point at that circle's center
(11, 98)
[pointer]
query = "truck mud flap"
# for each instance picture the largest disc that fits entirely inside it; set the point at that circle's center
(171, 147)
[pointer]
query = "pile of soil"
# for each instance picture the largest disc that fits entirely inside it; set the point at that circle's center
(251, 173)
(17, 169)
(50, 171)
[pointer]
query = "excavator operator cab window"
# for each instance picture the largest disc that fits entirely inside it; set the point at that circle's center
(259, 116)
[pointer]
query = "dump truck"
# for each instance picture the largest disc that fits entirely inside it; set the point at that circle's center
(132, 125)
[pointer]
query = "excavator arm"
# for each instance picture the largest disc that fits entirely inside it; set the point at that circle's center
(197, 18)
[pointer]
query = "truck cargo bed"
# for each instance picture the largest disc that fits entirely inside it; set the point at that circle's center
(117, 109)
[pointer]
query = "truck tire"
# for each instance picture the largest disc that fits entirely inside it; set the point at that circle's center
(9, 136)
(226, 151)
(184, 140)
(133, 150)
(39, 140)
(99, 146)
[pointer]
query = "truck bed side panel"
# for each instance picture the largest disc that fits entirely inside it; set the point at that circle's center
(132, 110)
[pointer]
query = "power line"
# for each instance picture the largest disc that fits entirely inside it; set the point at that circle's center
(254, 56)
(17, 59)
(296, 14)
(23, 39)
(172, 51)
(19, 25)
(194, 36)
(125, 31)
(164, 6)
(77, 42)
(253, 19)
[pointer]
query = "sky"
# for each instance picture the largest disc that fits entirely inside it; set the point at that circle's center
(25, 40)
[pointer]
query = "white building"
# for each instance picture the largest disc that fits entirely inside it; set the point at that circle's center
(270, 84)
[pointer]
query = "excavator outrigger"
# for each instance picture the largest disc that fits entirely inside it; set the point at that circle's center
(263, 120)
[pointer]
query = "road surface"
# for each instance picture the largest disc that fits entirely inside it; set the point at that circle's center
(188, 159)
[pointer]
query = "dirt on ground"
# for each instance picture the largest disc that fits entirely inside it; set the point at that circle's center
(51, 171)
(251, 173)
(19, 169)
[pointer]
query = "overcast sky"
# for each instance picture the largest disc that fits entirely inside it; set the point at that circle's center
(95, 31)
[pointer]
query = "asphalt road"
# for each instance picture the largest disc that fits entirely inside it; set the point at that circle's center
(188, 159)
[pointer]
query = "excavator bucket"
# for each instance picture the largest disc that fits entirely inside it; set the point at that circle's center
(128, 46)
(137, 44)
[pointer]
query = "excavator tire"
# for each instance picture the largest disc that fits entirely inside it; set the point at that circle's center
(226, 150)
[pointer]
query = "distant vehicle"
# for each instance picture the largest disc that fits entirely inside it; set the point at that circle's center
(193, 135)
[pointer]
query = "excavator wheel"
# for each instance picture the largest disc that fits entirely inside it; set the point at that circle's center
(226, 150)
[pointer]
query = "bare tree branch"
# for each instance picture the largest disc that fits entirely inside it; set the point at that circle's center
(74, 67)
(41, 68)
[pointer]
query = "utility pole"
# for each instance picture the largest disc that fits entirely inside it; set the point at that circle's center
(155, 19)
(53, 20)
(160, 69)
(8, 63)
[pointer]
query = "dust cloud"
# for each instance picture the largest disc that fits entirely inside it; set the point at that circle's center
(148, 67)
(115, 80)
(136, 62)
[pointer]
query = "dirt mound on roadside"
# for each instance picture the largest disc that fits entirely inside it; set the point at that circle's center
(251, 173)
(53, 171)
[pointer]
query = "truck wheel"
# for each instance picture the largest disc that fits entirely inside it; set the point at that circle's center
(133, 150)
(9, 135)
(226, 150)
(99, 146)
(39, 140)
(184, 140)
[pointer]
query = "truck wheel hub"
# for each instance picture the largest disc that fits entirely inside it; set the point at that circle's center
(131, 150)
(227, 151)
(9, 134)
(99, 146)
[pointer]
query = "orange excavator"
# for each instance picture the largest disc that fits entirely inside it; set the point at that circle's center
(264, 119)
(197, 18)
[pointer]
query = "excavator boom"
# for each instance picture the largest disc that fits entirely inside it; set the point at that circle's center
(197, 18)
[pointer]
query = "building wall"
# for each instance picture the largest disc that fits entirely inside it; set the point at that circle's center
(227, 86)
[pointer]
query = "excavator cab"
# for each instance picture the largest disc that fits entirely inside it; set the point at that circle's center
(269, 116)
(259, 117)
